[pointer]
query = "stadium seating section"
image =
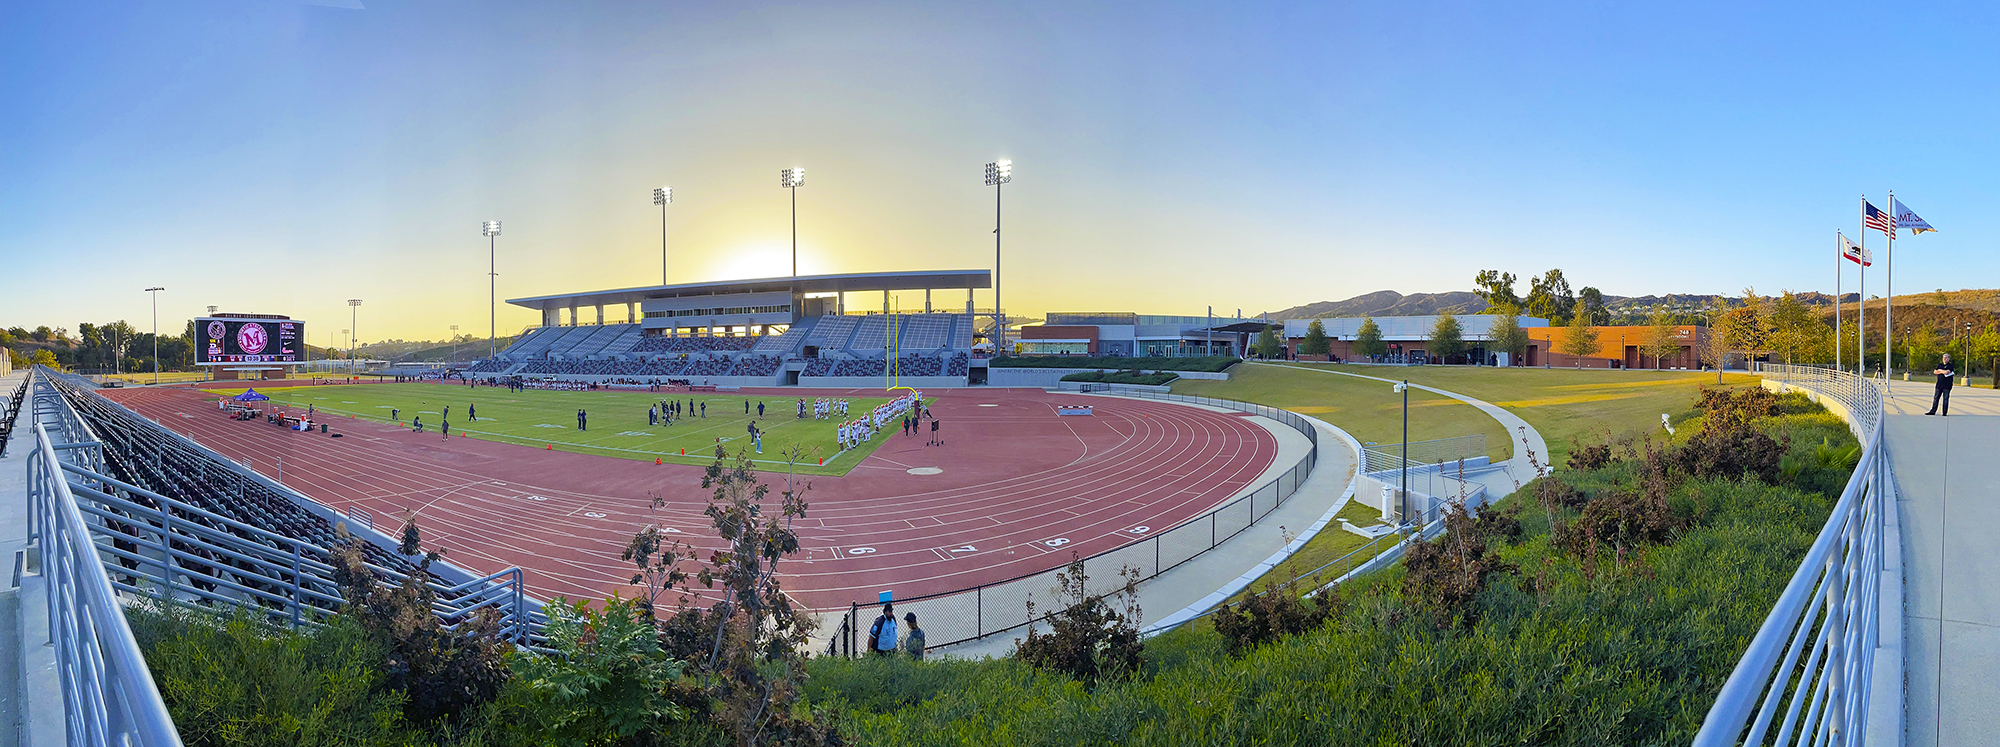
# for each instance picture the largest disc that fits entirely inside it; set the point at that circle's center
(858, 345)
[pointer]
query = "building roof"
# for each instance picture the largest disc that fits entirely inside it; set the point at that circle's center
(863, 281)
(1471, 326)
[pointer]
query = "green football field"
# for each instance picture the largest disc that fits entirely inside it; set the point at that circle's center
(616, 424)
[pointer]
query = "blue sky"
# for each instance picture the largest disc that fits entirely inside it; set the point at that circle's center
(283, 157)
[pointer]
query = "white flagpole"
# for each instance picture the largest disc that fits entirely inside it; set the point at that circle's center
(1861, 308)
(1889, 299)
(1839, 248)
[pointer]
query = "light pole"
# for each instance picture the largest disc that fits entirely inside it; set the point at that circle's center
(454, 343)
(354, 317)
(156, 332)
(1968, 353)
(490, 229)
(791, 180)
(661, 197)
(1404, 456)
(998, 173)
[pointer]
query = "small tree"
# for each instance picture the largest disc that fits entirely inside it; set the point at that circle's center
(1268, 345)
(1661, 339)
(1507, 336)
(1579, 339)
(1368, 339)
(1447, 338)
(1315, 342)
(1091, 640)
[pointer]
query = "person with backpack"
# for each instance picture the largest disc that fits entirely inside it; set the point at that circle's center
(882, 634)
(914, 642)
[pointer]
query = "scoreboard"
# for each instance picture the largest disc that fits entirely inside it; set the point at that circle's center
(235, 340)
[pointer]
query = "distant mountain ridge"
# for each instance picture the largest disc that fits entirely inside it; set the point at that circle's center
(1391, 303)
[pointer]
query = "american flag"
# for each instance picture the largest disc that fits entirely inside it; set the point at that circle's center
(1877, 219)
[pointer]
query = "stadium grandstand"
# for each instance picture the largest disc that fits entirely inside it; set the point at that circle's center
(768, 332)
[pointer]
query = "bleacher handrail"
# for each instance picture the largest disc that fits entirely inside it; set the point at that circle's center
(1832, 604)
(108, 693)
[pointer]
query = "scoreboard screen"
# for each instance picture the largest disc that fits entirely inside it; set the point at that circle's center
(228, 341)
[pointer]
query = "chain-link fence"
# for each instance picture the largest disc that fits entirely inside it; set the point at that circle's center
(958, 616)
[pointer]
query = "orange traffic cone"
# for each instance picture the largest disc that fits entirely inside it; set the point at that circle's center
(550, 447)
(656, 460)
(684, 451)
(822, 461)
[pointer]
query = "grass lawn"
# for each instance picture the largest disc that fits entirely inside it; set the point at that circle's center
(1567, 404)
(617, 420)
(1367, 410)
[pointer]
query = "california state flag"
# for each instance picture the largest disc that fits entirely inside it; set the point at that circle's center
(1854, 252)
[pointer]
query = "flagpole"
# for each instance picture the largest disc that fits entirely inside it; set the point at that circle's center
(1861, 307)
(1839, 248)
(1889, 301)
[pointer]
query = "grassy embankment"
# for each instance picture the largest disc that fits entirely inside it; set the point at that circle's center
(1561, 404)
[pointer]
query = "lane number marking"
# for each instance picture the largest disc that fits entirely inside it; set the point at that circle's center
(1141, 529)
(860, 550)
(1057, 542)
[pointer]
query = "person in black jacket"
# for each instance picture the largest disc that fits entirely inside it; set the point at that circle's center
(1942, 395)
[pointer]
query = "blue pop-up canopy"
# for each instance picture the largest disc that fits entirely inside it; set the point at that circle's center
(251, 396)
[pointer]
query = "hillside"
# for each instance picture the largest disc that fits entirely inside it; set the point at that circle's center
(1391, 303)
(1388, 303)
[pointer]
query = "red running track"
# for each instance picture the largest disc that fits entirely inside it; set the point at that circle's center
(1014, 478)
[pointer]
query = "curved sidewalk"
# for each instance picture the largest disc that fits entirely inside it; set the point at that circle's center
(1520, 467)
(1950, 502)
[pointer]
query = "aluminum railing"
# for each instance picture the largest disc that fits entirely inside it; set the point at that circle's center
(967, 614)
(108, 694)
(1809, 676)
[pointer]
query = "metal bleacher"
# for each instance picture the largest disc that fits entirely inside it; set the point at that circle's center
(924, 331)
(833, 332)
(786, 343)
(870, 333)
(600, 339)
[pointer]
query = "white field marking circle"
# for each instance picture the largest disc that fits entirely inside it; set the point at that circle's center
(1057, 542)
(924, 471)
(594, 514)
(860, 550)
(1141, 529)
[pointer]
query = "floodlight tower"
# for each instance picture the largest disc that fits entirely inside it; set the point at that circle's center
(354, 316)
(454, 343)
(490, 229)
(156, 332)
(792, 180)
(998, 173)
(662, 197)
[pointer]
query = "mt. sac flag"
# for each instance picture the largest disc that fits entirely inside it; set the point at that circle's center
(1854, 252)
(1909, 220)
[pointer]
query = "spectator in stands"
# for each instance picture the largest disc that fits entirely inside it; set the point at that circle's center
(882, 635)
(914, 641)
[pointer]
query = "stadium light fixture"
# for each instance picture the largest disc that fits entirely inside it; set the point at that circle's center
(156, 332)
(998, 173)
(354, 315)
(792, 180)
(454, 343)
(661, 197)
(490, 229)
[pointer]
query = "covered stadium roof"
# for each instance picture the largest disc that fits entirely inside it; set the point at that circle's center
(853, 282)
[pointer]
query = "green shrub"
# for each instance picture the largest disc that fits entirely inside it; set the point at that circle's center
(608, 681)
(239, 681)
(1212, 363)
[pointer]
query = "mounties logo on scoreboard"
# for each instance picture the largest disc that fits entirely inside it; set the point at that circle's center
(250, 339)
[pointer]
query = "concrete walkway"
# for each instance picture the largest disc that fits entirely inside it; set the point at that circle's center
(1950, 501)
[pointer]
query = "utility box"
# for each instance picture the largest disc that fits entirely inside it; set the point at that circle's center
(1392, 505)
